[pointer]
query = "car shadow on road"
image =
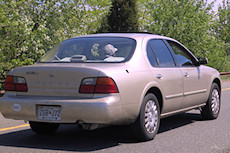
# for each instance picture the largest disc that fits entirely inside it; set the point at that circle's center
(70, 138)
(179, 120)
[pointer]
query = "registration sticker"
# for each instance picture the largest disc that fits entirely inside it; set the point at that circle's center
(16, 107)
(49, 113)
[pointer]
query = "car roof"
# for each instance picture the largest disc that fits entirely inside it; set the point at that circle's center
(129, 35)
(134, 35)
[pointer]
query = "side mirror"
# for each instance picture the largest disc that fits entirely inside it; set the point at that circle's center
(203, 60)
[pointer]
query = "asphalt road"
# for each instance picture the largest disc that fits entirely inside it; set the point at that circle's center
(183, 133)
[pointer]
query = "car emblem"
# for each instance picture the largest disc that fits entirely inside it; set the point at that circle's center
(51, 75)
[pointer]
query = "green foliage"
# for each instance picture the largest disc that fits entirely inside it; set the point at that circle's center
(122, 17)
(217, 55)
(222, 26)
(29, 28)
(220, 55)
(188, 21)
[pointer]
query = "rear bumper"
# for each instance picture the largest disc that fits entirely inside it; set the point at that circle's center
(101, 110)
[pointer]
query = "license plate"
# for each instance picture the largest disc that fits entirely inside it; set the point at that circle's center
(49, 113)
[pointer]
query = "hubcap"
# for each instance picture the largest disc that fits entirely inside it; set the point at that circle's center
(215, 103)
(151, 116)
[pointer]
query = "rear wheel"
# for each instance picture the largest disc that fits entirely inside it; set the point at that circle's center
(212, 107)
(43, 128)
(148, 121)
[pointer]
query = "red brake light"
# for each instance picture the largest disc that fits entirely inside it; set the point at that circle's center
(105, 85)
(14, 83)
(21, 87)
(9, 83)
(87, 88)
(98, 85)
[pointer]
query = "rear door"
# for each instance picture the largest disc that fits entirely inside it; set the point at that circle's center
(165, 73)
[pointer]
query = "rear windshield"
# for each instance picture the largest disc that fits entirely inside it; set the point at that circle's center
(91, 49)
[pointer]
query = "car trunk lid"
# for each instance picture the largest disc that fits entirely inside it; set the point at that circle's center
(53, 80)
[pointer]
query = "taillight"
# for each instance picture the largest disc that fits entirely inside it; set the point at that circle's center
(9, 83)
(105, 85)
(98, 85)
(15, 83)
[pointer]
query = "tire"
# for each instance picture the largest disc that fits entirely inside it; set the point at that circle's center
(44, 128)
(212, 108)
(147, 124)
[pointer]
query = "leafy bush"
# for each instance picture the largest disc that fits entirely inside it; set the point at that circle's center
(28, 29)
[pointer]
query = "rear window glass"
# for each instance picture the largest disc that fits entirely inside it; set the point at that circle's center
(163, 55)
(92, 49)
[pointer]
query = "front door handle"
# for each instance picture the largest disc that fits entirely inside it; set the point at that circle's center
(159, 76)
(186, 75)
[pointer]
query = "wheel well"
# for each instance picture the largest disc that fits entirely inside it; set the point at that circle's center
(217, 81)
(158, 94)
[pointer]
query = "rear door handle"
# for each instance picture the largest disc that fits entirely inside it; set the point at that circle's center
(159, 76)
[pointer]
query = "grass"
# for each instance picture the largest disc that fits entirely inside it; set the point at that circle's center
(225, 78)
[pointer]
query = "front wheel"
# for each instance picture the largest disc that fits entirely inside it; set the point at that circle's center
(212, 107)
(147, 124)
(43, 128)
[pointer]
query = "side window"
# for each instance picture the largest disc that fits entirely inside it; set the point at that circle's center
(151, 56)
(182, 59)
(162, 53)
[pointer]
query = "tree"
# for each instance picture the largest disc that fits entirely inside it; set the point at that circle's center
(222, 28)
(190, 22)
(122, 17)
(29, 28)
